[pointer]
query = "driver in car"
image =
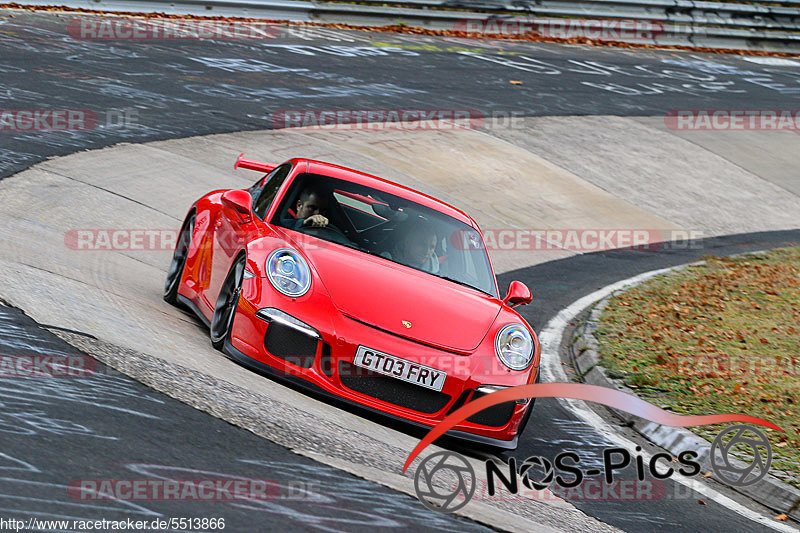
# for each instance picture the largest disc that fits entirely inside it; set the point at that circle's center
(310, 205)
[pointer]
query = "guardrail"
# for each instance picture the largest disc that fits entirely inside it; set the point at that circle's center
(677, 11)
(754, 26)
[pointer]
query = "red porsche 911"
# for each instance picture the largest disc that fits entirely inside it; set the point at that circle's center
(361, 289)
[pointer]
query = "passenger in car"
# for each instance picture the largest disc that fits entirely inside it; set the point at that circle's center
(415, 247)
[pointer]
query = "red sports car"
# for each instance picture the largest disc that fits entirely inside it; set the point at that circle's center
(360, 288)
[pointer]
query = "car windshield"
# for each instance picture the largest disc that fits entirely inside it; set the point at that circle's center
(387, 226)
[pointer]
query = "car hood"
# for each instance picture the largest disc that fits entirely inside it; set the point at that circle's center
(388, 296)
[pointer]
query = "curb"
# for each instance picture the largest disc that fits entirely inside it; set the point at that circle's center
(584, 357)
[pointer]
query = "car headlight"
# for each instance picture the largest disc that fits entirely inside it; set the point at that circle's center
(288, 272)
(514, 346)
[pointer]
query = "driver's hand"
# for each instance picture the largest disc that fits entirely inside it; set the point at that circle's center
(316, 221)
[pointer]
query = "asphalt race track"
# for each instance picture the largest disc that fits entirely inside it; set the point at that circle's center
(185, 88)
(71, 430)
(110, 426)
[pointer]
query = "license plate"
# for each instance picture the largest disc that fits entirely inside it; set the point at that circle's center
(389, 365)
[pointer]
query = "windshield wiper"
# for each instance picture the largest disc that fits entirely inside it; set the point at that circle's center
(354, 246)
(464, 283)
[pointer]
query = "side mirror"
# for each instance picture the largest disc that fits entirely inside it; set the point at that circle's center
(518, 294)
(241, 202)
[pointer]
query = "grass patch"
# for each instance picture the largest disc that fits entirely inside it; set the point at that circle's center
(723, 337)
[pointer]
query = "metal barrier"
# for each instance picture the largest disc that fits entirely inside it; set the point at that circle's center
(753, 26)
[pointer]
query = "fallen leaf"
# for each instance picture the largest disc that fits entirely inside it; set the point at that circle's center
(781, 517)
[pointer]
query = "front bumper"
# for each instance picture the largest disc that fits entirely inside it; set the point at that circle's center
(329, 370)
(298, 381)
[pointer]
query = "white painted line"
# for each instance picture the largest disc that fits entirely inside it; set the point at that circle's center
(550, 339)
(772, 61)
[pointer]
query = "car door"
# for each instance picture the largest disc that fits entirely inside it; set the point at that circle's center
(232, 233)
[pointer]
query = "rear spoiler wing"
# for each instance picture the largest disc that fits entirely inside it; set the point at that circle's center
(252, 164)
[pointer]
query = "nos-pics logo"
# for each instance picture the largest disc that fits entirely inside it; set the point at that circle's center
(445, 481)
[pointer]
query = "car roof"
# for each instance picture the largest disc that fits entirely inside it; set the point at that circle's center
(368, 180)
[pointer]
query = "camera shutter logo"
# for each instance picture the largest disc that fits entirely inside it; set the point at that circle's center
(545, 465)
(760, 452)
(445, 467)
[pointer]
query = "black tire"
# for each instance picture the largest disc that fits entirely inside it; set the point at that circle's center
(175, 271)
(227, 301)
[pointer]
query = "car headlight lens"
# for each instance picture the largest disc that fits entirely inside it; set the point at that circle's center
(288, 272)
(514, 346)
